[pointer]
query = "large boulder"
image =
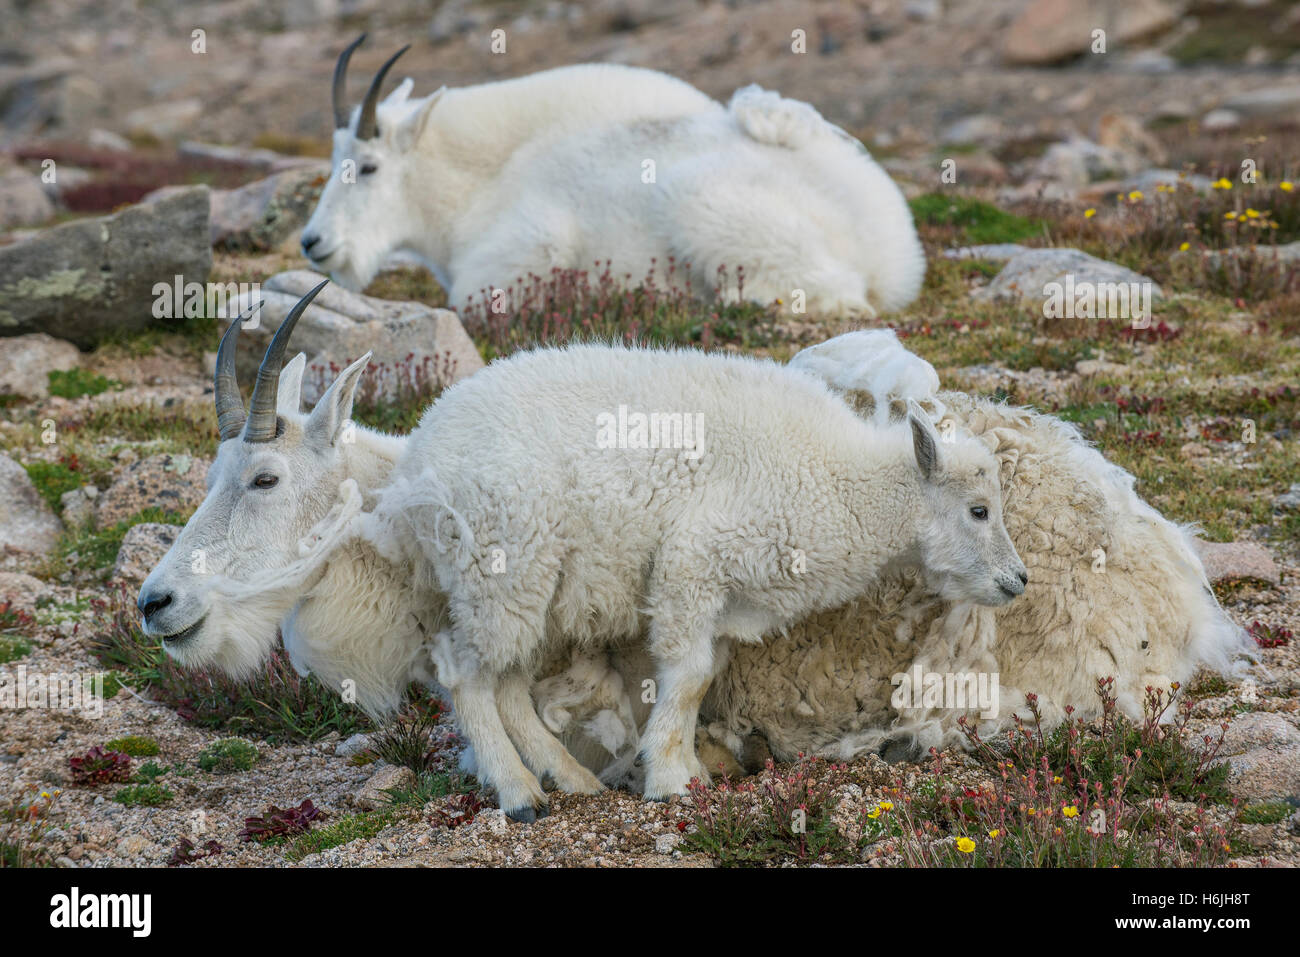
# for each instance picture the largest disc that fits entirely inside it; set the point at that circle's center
(83, 279)
(28, 529)
(1048, 31)
(172, 483)
(1026, 277)
(27, 361)
(407, 338)
(264, 214)
(142, 548)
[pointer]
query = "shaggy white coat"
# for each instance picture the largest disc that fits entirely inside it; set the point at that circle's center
(570, 167)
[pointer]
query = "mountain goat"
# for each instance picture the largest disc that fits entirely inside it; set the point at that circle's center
(530, 509)
(1115, 590)
(578, 165)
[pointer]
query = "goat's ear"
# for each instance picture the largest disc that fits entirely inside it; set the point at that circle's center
(401, 93)
(409, 130)
(925, 441)
(288, 398)
(334, 409)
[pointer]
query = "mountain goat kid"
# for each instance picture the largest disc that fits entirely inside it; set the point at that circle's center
(578, 165)
(530, 509)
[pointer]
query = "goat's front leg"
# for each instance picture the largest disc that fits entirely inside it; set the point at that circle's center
(473, 695)
(541, 750)
(682, 643)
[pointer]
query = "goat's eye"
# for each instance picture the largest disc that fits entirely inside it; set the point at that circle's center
(368, 168)
(265, 481)
(980, 513)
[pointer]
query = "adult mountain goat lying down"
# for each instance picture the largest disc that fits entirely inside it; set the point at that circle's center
(527, 512)
(1115, 590)
(565, 168)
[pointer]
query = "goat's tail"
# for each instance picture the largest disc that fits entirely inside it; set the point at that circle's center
(768, 117)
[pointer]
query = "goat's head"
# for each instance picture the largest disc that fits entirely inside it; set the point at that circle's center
(365, 210)
(275, 476)
(966, 552)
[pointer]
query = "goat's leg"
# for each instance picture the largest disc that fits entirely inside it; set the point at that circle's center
(540, 749)
(682, 639)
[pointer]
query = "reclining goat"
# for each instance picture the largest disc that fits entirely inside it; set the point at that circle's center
(565, 168)
(529, 511)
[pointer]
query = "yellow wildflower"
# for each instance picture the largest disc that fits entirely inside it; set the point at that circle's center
(994, 833)
(965, 845)
(1183, 247)
(1089, 213)
(886, 805)
(1222, 183)
(874, 813)
(1070, 811)
(1135, 196)
(1286, 186)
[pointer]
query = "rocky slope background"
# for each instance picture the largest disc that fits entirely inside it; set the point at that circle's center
(134, 149)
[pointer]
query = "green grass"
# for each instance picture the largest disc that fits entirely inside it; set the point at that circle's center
(135, 745)
(971, 220)
(74, 383)
(12, 648)
(95, 549)
(1270, 812)
(228, 756)
(52, 480)
(144, 795)
(353, 827)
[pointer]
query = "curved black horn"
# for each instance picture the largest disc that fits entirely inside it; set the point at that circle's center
(341, 81)
(261, 426)
(225, 385)
(367, 128)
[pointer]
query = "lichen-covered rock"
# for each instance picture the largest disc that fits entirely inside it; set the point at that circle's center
(373, 793)
(142, 549)
(28, 529)
(264, 214)
(82, 280)
(27, 361)
(173, 483)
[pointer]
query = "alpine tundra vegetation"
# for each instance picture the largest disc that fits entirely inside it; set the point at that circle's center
(573, 166)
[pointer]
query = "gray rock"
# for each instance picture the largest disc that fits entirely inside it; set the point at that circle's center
(1216, 121)
(989, 252)
(26, 362)
(1227, 561)
(28, 529)
(23, 200)
(1289, 500)
(77, 508)
(164, 121)
(1149, 179)
(1273, 102)
(142, 549)
(372, 795)
(108, 140)
(1279, 259)
(1263, 750)
(352, 746)
(174, 483)
(340, 326)
(84, 279)
(262, 215)
(1025, 277)
(1078, 162)
(981, 129)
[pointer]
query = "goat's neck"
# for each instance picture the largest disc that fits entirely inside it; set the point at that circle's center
(894, 530)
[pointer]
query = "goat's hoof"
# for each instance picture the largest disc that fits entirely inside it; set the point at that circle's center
(528, 814)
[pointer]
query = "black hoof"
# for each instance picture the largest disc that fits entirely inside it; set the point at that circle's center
(527, 814)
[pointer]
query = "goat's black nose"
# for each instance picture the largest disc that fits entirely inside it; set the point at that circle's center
(308, 242)
(150, 602)
(1024, 578)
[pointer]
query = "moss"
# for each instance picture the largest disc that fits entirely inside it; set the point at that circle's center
(228, 755)
(12, 648)
(354, 827)
(52, 480)
(136, 745)
(973, 220)
(144, 795)
(73, 383)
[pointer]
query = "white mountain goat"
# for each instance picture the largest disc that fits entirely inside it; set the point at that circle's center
(530, 509)
(561, 169)
(1115, 590)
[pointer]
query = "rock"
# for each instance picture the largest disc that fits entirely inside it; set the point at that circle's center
(340, 326)
(1226, 561)
(990, 252)
(1289, 500)
(667, 843)
(1079, 161)
(1119, 131)
(980, 129)
(108, 140)
(372, 797)
(1263, 750)
(174, 483)
(924, 11)
(20, 588)
(88, 278)
(28, 529)
(23, 200)
(77, 508)
(135, 845)
(1026, 276)
(263, 214)
(257, 158)
(1278, 259)
(1048, 31)
(1217, 121)
(1100, 367)
(1147, 181)
(142, 549)
(1271, 103)
(352, 746)
(164, 121)
(26, 362)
